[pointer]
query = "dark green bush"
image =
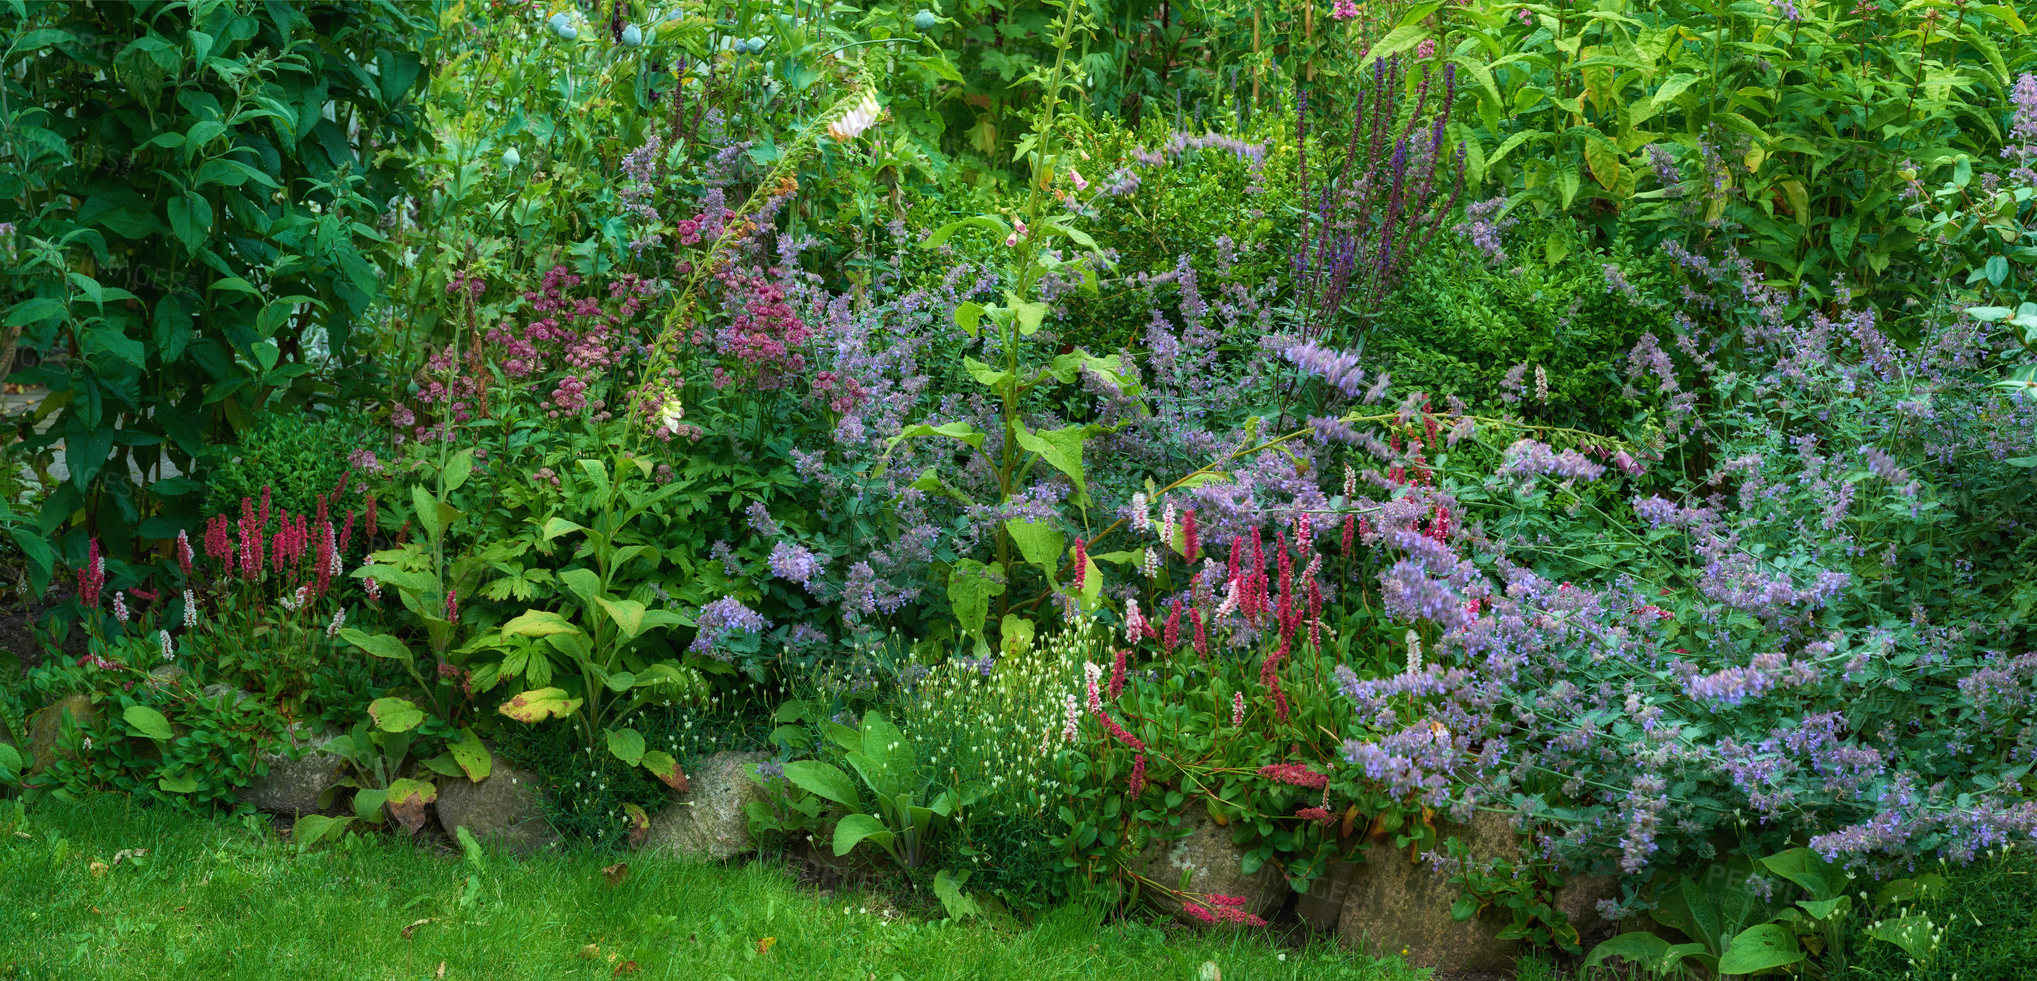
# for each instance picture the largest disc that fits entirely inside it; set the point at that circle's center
(297, 455)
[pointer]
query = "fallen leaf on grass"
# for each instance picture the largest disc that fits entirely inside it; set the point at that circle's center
(442, 969)
(127, 853)
(1209, 972)
(764, 945)
(99, 869)
(626, 967)
(616, 873)
(589, 952)
(407, 931)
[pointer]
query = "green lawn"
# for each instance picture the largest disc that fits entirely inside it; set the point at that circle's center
(216, 898)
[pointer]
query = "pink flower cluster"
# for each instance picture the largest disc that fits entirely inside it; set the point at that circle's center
(1222, 909)
(1297, 774)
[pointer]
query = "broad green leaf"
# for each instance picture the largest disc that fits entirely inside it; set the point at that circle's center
(1030, 316)
(969, 317)
(1639, 946)
(395, 714)
(1808, 869)
(183, 783)
(472, 756)
(310, 829)
(426, 508)
(854, 829)
(540, 704)
(627, 614)
(971, 584)
(147, 721)
(1759, 948)
(1039, 542)
(1061, 448)
(986, 375)
(538, 623)
(1912, 933)
(458, 467)
(957, 430)
(555, 527)
(948, 889)
(823, 779)
(584, 583)
(627, 745)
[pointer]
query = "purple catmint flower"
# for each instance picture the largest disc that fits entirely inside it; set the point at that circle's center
(796, 563)
(1339, 368)
(723, 617)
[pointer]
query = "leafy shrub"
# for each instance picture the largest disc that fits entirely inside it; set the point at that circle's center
(296, 457)
(213, 262)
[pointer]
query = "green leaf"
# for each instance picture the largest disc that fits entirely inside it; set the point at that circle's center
(1396, 41)
(824, 779)
(1912, 933)
(33, 311)
(627, 614)
(666, 769)
(1808, 869)
(191, 220)
(1638, 946)
(854, 829)
(1041, 543)
(627, 745)
(180, 784)
(1672, 87)
(1030, 316)
(971, 584)
(1062, 449)
(986, 375)
(538, 623)
(584, 583)
(540, 704)
(408, 791)
(472, 756)
(948, 888)
(427, 508)
(554, 527)
(312, 828)
(457, 469)
(395, 714)
(147, 721)
(1759, 948)
(958, 430)
(969, 317)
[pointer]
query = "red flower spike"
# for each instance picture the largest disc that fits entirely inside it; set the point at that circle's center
(1081, 563)
(1172, 637)
(1188, 537)
(1117, 675)
(1201, 633)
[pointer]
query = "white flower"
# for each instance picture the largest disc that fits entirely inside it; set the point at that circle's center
(671, 413)
(1414, 652)
(856, 120)
(169, 648)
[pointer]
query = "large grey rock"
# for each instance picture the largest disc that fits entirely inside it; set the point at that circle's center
(1396, 905)
(1201, 860)
(1323, 904)
(1578, 899)
(708, 820)
(46, 726)
(294, 775)
(507, 809)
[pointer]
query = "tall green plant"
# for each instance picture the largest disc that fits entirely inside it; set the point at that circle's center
(192, 184)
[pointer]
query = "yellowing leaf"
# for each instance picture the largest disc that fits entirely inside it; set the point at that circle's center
(540, 704)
